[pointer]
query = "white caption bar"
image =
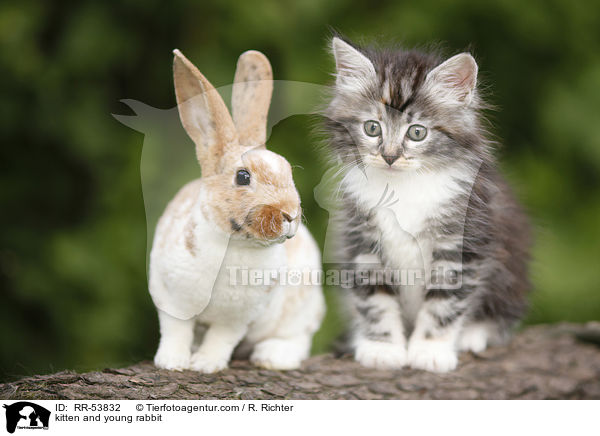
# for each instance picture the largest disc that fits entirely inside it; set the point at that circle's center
(299, 417)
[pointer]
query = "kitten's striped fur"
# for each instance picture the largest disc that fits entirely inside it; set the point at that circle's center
(441, 205)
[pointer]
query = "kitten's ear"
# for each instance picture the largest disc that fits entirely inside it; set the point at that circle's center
(455, 79)
(353, 67)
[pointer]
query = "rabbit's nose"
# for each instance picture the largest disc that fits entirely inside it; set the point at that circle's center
(290, 224)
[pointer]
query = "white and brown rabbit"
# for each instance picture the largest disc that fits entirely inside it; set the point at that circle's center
(243, 214)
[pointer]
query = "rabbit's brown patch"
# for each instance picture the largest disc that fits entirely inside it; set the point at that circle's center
(189, 237)
(268, 222)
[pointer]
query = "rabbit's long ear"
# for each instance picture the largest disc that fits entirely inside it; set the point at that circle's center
(203, 114)
(251, 97)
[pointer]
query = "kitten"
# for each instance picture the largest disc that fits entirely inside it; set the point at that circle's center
(422, 198)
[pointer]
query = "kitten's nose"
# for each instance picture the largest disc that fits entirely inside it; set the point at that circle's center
(390, 159)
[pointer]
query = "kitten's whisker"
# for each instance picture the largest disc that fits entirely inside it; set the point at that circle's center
(394, 202)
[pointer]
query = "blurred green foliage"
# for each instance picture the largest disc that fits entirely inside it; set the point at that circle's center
(73, 230)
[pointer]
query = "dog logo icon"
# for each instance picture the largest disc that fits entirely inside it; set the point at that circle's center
(26, 415)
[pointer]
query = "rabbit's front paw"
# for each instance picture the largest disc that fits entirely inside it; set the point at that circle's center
(172, 359)
(380, 355)
(202, 362)
(433, 355)
(282, 354)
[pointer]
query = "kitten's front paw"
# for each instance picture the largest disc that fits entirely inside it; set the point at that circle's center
(206, 364)
(174, 359)
(278, 354)
(432, 355)
(474, 337)
(380, 355)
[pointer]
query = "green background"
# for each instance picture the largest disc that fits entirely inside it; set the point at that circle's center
(72, 221)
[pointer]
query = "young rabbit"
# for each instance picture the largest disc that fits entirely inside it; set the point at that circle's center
(242, 214)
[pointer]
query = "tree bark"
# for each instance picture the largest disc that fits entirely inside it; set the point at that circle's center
(559, 361)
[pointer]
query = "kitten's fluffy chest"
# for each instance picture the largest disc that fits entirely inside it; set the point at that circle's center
(403, 212)
(410, 204)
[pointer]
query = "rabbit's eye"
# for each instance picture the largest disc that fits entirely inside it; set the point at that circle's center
(242, 177)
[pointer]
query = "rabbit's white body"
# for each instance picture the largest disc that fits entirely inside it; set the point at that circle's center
(217, 229)
(190, 260)
(195, 278)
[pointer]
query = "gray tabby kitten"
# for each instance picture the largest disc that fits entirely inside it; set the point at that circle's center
(422, 198)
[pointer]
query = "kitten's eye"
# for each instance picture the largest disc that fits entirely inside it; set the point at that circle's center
(417, 132)
(372, 128)
(242, 177)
